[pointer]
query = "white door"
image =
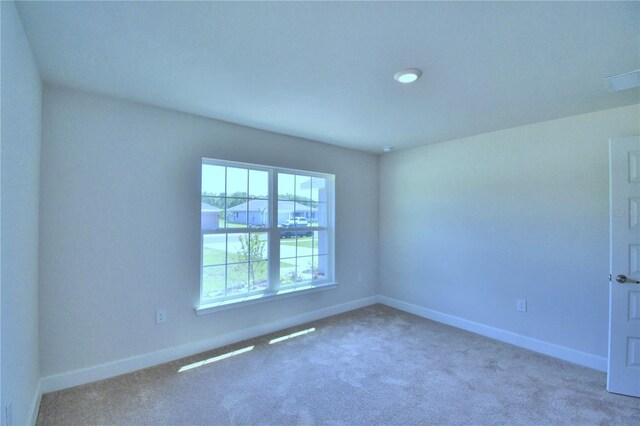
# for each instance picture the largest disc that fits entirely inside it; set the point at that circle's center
(623, 375)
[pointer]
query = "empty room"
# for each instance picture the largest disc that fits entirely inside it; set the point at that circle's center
(320, 213)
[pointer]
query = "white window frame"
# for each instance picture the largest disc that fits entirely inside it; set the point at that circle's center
(273, 290)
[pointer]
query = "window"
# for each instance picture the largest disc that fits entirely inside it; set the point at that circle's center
(265, 231)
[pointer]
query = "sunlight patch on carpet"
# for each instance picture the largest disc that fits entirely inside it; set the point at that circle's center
(292, 335)
(215, 359)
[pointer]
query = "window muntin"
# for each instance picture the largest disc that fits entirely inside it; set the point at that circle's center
(303, 258)
(240, 194)
(263, 229)
(302, 196)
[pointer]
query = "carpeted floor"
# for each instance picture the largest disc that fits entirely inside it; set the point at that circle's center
(373, 366)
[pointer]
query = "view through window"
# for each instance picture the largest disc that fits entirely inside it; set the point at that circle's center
(264, 231)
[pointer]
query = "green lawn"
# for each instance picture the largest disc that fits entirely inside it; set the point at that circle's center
(237, 278)
(213, 256)
(216, 257)
(214, 271)
(302, 242)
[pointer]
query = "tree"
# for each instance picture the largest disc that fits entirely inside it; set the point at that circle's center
(252, 251)
(218, 200)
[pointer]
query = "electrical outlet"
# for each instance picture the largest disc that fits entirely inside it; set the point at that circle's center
(521, 305)
(8, 414)
(161, 316)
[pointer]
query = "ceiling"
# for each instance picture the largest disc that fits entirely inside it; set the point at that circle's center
(324, 70)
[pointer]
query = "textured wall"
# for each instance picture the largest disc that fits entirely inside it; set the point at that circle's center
(20, 175)
(120, 221)
(468, 226)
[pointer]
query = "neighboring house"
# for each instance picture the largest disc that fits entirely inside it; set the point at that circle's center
(209, 217)
(256, 212)
(289, 209)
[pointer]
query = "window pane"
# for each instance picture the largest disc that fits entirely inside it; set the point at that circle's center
(214, 249)
(287, 272)
(258, 213)
(213, 278)
(303, 188)
(258, 276)
(285, 213)
(213, 180)
(237, 214)
(319, 214)
(304, 243)
(302, 213)
(320, 243)
(287, 244)
(259, 247)
(237, 278)
(258, 184)
(210, 213)
(319, 267)
(304, 266)
(318, 189)
(237, 248)
(237, 183)
(286, 184)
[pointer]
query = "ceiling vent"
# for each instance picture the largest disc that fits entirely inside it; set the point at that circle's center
(628, 80)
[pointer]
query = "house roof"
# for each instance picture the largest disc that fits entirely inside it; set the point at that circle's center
(258, 205)
(208, 208)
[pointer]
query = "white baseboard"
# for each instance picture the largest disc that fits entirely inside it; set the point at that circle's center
(562, 352)
(127, 365)
(35, 404)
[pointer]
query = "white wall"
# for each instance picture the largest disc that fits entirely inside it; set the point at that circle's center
(20, 173)
(120, 222)
(468, 226)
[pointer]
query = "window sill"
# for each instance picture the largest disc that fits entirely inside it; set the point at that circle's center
(209, 308)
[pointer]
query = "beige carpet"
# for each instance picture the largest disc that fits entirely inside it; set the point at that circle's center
(373, 366)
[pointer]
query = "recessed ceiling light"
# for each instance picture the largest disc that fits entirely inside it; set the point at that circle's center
(387, 148)
(408, 76)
